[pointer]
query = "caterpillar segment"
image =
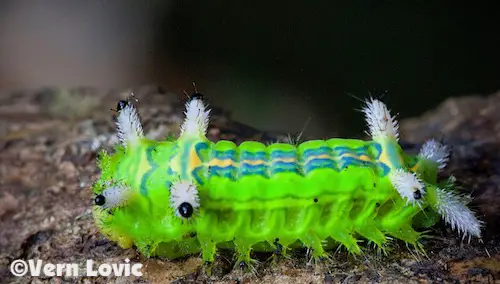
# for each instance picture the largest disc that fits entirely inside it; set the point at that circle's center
(191, 195)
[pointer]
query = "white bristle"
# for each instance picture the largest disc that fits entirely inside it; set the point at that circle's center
(115, 196)
(380, 122)
(436, 152)
(129, 126)
(407, 184)
(455, 213)
(183, 191)
(196, 121)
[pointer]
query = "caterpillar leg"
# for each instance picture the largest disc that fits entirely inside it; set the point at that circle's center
(339, 227)
(146, 248)
(315, 248)
(208, 249)
(369, 231)
(346, 239)
(279, 252)
(396, 223)
(365, 225)
(243, 259)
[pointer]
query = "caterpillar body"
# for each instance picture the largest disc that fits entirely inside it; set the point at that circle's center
(189, 195)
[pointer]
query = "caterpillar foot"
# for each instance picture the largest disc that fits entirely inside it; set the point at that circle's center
(243, 260)
(246, 266)
(316, 260)
(146, 249)
(381, 250)
(208, 249)
(279, 253)
(207, 268)
(314, 246)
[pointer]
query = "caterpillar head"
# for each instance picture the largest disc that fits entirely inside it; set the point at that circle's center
(138, 199)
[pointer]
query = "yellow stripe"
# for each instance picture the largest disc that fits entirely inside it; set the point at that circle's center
(385, 159)
(254, 162)
(363, 157)
(222, 163)
(322, 156)
(415, 168)
(194, 160)
(285, 160)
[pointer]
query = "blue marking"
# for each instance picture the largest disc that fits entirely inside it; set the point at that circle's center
(253, 156)
(383, 169)
(342, 150)
(200, 147)
(378, 148)
(285, 164)
(281, 167)
(323, 150)
(227, 171)
(170, 172)
(247, 169)
(196, 173)
(224, 155)
(144, 180)
(168, 184)
(360, 151)
(143, 186)
(284, 170)
(279, 154)
(392, 155)
(320, 163)
(184, 159)
(348, 161)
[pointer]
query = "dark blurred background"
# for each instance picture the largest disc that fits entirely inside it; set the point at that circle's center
(273, 64)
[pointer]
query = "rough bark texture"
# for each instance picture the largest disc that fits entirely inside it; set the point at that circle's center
(47, 163)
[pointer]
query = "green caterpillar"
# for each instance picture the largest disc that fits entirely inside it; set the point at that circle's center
(178, 197)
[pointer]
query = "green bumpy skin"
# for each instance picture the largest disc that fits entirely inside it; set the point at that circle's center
(268, 198)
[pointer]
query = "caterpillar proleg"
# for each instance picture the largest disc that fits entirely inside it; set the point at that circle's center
(191, 195)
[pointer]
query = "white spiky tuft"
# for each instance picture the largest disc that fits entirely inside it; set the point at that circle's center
(406, 185)
(436, 152)
(380, 122)
(453, 209)
(129, 126)
(197, 118)
(183, 191)
(115, 196)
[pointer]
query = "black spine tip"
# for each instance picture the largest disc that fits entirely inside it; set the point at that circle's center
(121, 105)
(196, 96)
